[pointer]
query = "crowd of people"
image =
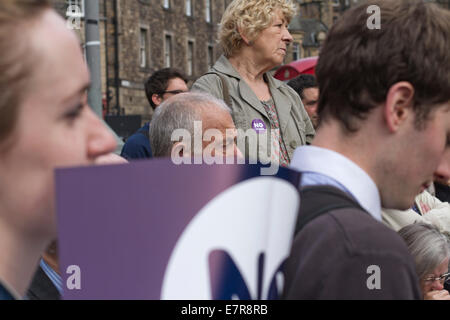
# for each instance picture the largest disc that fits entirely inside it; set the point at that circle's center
(369, 133)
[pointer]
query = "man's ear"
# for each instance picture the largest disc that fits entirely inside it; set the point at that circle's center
(156, 98)
(399, 105)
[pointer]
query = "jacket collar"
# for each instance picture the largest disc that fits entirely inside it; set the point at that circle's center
(282, 103)
(223, 65)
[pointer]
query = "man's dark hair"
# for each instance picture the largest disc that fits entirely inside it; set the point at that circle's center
(158, 82)
(302, 82)
(358, 65)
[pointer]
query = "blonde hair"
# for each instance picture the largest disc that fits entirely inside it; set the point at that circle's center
(15, 64)
(251, 17)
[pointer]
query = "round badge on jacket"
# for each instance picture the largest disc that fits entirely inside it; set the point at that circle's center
(259, 126)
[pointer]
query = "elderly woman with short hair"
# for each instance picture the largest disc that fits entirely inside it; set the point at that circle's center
(254, 38)
(431, 252)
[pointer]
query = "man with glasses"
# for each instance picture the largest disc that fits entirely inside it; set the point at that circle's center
(160, 86)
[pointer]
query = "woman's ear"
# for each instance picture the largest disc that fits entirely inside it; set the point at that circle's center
(244, 37)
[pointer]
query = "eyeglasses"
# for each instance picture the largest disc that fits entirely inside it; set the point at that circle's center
(442, 278)
(172, 92)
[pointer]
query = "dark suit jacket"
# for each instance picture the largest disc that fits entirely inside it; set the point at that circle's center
(42, 287)
(333, 257)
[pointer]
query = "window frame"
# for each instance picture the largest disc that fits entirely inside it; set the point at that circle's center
(144, 51)
(189, 13)
(169, 36)
(190, 63)
(80, 4)
(208, 11)
(166, 4)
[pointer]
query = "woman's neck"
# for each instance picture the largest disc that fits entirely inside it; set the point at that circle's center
(253, 74)
(248, 68)
(19, 259)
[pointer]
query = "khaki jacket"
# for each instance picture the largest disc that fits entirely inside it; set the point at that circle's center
(295, 124)
(432, 211)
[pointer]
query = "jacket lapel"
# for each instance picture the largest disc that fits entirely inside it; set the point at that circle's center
(249, 96)
(224, 66)
(282, 103)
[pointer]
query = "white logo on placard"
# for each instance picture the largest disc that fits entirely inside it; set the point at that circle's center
(235, 247)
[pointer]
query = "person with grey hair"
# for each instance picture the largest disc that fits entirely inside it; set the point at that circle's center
(431, 251)
(193, 124)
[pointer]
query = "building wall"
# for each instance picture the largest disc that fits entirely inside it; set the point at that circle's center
(297, 38)
(122, 70)
(159, 21)
(322, 10)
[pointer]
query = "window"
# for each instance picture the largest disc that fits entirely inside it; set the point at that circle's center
(75, 8)
(143, 47)
(166, 4)
(295, 51)
(190, 58)
(210, 56)
(208, 16)
(188, 4)
(168, 51)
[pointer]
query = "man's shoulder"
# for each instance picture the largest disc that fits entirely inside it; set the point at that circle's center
(330, 216)
(5, 294)
(138, 138)
(358, 231)
(42, 288)
(137, 146)
(333, 256)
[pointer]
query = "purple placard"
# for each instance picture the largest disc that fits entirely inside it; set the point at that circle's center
(119, 224)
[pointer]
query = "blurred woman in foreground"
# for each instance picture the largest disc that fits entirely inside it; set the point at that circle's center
(45, 122)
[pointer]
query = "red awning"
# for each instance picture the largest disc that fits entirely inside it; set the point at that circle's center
(297, 67)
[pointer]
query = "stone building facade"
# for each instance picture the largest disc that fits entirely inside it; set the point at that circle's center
(309, 28)
(139, 37)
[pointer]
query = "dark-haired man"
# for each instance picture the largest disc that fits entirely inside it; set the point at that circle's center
(384, 112)
(306, 87)
(160, 86)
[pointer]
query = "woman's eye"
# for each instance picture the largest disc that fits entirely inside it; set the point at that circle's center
(75, 112)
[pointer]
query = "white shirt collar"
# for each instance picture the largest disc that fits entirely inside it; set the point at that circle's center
(343, 170)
